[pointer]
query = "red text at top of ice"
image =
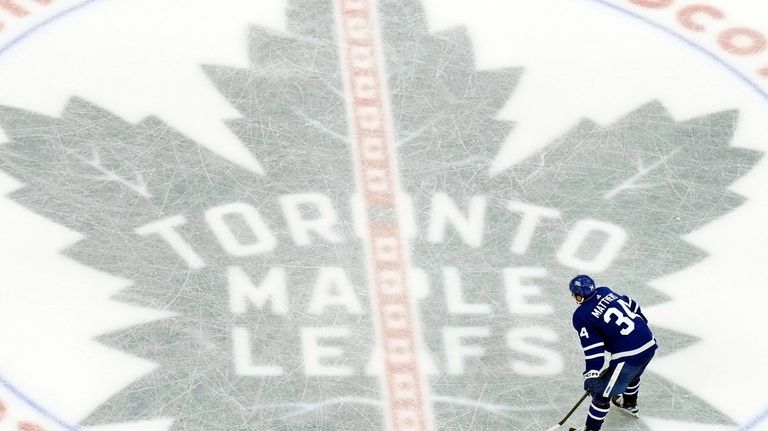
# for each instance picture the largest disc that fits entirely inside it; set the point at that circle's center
(708, 20)
(14, 10)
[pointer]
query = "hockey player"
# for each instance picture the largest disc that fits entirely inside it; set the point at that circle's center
(613, 324)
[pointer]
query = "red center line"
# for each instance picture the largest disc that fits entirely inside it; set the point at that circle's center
(404, 386)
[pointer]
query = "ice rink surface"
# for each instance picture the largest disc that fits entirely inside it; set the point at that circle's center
(352, 215)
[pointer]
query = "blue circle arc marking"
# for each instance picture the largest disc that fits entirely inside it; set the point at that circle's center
(3, 49)
(737, 73)
(31, 403)
(10, 44)
(755, 422)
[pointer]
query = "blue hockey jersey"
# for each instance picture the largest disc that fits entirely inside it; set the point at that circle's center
(613, 323)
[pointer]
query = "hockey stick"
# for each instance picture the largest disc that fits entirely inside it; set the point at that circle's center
(576, 406)
(583, 397)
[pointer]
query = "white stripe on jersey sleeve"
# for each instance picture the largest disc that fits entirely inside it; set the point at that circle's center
(593, 346)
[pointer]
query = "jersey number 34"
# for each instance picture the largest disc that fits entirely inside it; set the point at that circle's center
(621, 318)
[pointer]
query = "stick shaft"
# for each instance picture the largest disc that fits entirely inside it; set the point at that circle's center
(576, 406)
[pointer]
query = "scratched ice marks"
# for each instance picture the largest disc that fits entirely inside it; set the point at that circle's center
(265, 273)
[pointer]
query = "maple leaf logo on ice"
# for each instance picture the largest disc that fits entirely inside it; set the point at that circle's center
(265, 275)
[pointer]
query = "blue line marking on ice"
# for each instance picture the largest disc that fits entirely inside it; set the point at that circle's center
(3, 49)
(756, 421)
(740, 75)
(7, 385)
(49, 20)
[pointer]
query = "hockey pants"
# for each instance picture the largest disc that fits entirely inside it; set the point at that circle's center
(622, 377)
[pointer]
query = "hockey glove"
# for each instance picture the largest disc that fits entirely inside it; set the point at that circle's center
(592, 383)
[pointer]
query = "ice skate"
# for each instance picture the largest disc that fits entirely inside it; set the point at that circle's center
(629, 409)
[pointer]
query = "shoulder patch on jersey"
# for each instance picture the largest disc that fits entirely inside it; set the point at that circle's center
(583, 333)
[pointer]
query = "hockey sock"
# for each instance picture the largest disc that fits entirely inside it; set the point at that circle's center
(598, 410)
(630, 395)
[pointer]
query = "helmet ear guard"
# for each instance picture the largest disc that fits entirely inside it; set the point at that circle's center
(582, 285)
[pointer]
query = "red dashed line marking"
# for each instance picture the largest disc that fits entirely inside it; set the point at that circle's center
(404, 393)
